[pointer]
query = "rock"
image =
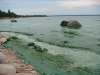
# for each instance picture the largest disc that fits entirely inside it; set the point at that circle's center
(13, 20)
(64, 23)
(38, 48)
(31, 44)
(23, 68)
(45, 50)
(65, 42)
(73, 24)
(35, 73)
(7, 69)
(13, 37)
(2, 40)
(2, 58)
(14, 65)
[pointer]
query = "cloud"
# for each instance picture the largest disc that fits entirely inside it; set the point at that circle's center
(51, 6)
(77, 4)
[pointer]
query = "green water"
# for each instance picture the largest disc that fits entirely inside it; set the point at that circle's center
(70, 51)
(45, 63)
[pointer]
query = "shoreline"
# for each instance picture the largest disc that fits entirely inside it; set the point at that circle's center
(11, 58)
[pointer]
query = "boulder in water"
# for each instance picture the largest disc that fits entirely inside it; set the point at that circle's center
(31, 44)
(13, 20)
(64, 23)
(73, 24)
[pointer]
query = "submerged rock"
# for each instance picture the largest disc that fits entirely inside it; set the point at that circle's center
(73, 24)
(31, 44)
(13, 37)
(10, 38)
(37, 47)
(13, 20)
(98, 44)
(45, 50)
(65, 42)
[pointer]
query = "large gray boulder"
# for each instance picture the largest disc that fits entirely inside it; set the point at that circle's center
(64, 23)
(73, 24)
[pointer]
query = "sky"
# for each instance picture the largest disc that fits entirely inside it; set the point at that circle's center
(52, 7)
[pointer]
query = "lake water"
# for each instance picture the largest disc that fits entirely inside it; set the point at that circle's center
(81, 45)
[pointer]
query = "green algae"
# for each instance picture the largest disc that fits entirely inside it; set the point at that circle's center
(45, 63)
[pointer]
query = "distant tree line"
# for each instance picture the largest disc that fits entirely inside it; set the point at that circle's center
(13, 15)
(7, 14)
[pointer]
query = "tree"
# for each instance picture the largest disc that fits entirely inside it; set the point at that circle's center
(7, 14)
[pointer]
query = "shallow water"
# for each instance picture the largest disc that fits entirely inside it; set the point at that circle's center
(82, 45)
(48, 30)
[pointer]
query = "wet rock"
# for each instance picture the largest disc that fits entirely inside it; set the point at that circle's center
(2, 58)
(13, 20)
(65, 42)
(2, 40)
(73, 24)
(37, 47)
(31, 44)
(64, 23)
(98, 44)
(9, 39)
(23, 68)
(35, 73)
(7, 69)
(45, 50)
(13, 37)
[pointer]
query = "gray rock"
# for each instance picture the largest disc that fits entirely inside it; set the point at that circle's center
(64, 23)
(2, 58)
(7, 69)
(13, 20)
(73, 24)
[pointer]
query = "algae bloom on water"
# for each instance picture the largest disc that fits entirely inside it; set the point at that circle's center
(45, 62)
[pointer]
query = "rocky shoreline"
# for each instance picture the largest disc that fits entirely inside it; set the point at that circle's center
(12, 59)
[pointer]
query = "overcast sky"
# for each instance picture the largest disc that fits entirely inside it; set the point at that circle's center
(50, 7)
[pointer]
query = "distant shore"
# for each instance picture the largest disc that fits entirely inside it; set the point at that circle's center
(11, 14)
